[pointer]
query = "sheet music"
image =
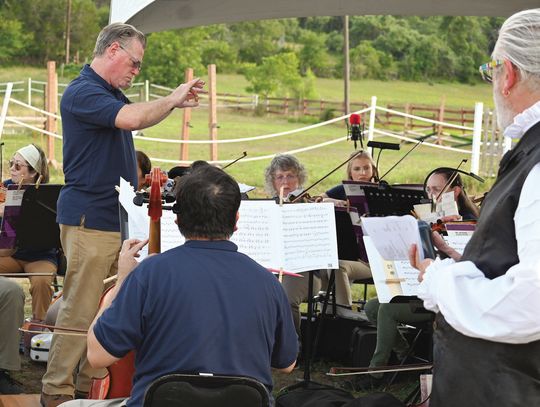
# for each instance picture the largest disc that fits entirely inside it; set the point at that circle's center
(170, 234)
(393, 235)
(309, 236)
(459, 235)
(403, 275)
(295, 238)
(256, 226)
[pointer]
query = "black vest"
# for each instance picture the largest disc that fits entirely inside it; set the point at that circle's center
(493, 247)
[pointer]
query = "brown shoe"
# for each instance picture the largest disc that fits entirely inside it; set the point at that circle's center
(54, 400)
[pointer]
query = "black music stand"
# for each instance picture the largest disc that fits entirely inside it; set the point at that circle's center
(386, 200)
(36, 227)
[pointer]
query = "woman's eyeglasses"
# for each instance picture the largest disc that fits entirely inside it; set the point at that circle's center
(18, 165)
(281, 178)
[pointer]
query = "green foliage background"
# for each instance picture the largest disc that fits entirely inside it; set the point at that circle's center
(293, 51)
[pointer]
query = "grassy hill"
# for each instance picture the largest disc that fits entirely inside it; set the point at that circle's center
(318, 162)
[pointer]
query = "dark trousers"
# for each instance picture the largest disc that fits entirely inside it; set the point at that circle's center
(475, 372)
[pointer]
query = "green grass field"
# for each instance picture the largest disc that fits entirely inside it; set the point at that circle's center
(318, 162)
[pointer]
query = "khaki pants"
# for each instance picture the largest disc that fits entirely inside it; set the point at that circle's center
(11, 319)
(296, 289)
(40, 286)
(92, 256)
(349, 271)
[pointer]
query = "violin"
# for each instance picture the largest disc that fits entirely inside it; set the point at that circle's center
(118, 381)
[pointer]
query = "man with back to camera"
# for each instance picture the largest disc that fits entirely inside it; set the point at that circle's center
(231, 316)
(487, 337)
(97, 121)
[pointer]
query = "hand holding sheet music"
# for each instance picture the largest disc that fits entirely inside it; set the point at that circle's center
(393, 236)
(387, 241)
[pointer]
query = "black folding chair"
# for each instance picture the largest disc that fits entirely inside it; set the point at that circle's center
(188, 390)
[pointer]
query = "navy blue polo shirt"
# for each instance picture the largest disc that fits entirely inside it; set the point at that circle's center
(96, 153)
(200, 307)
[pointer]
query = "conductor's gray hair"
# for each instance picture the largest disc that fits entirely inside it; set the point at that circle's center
(122, 33)
(283, 162)
(519, 42)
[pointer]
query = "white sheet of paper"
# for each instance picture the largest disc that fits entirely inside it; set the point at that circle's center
(256, 226)
(296, 238)
(403, 269)
(458, 239)
(139, 222)
(393, 235)
(449, 205)
(309, 236)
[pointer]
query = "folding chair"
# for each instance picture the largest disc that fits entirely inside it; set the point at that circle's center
(188, 390)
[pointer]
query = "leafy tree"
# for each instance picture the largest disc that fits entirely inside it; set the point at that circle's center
(257, 39)
(12, 39)
(220, 53)
(279, 74)
(169, 53)
(313, 55)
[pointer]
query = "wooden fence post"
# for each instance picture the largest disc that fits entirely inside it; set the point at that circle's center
(212, 111)
(184, 147)
(440, 118)
(51, 106)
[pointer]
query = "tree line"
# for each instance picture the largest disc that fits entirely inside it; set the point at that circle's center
(278, 57)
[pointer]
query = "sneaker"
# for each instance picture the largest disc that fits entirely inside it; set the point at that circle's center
(8, 385)
(54, 400)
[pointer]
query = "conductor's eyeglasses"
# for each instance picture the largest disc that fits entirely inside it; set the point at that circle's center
(18, 165)
(135, 63)
(486, 70)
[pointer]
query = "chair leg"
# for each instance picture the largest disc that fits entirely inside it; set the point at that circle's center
(409, 353)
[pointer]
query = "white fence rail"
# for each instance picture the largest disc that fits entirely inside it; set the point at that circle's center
(476, 130)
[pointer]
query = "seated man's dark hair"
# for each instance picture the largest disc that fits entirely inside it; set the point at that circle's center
(207, 201)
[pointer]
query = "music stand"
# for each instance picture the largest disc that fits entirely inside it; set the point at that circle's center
(36, 227)
(386, 200)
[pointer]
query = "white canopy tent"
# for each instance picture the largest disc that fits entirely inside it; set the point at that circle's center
(158, 15)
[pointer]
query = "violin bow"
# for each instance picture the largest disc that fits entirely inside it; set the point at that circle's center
(304, 193)
(450, 180)
(244, 154)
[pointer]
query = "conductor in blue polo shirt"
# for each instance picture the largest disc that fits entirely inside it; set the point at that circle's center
(200, 307)
(97, 121)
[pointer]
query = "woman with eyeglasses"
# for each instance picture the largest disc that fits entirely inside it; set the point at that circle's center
(285, 176)
(27, 166)
(388, 316)
(284, 172)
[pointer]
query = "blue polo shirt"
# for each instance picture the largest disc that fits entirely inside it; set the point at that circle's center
(96, 153)
(200, 307)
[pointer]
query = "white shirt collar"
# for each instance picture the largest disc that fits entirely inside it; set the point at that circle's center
(523, 122)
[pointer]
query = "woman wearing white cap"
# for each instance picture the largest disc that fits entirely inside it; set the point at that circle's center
(26, 166)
